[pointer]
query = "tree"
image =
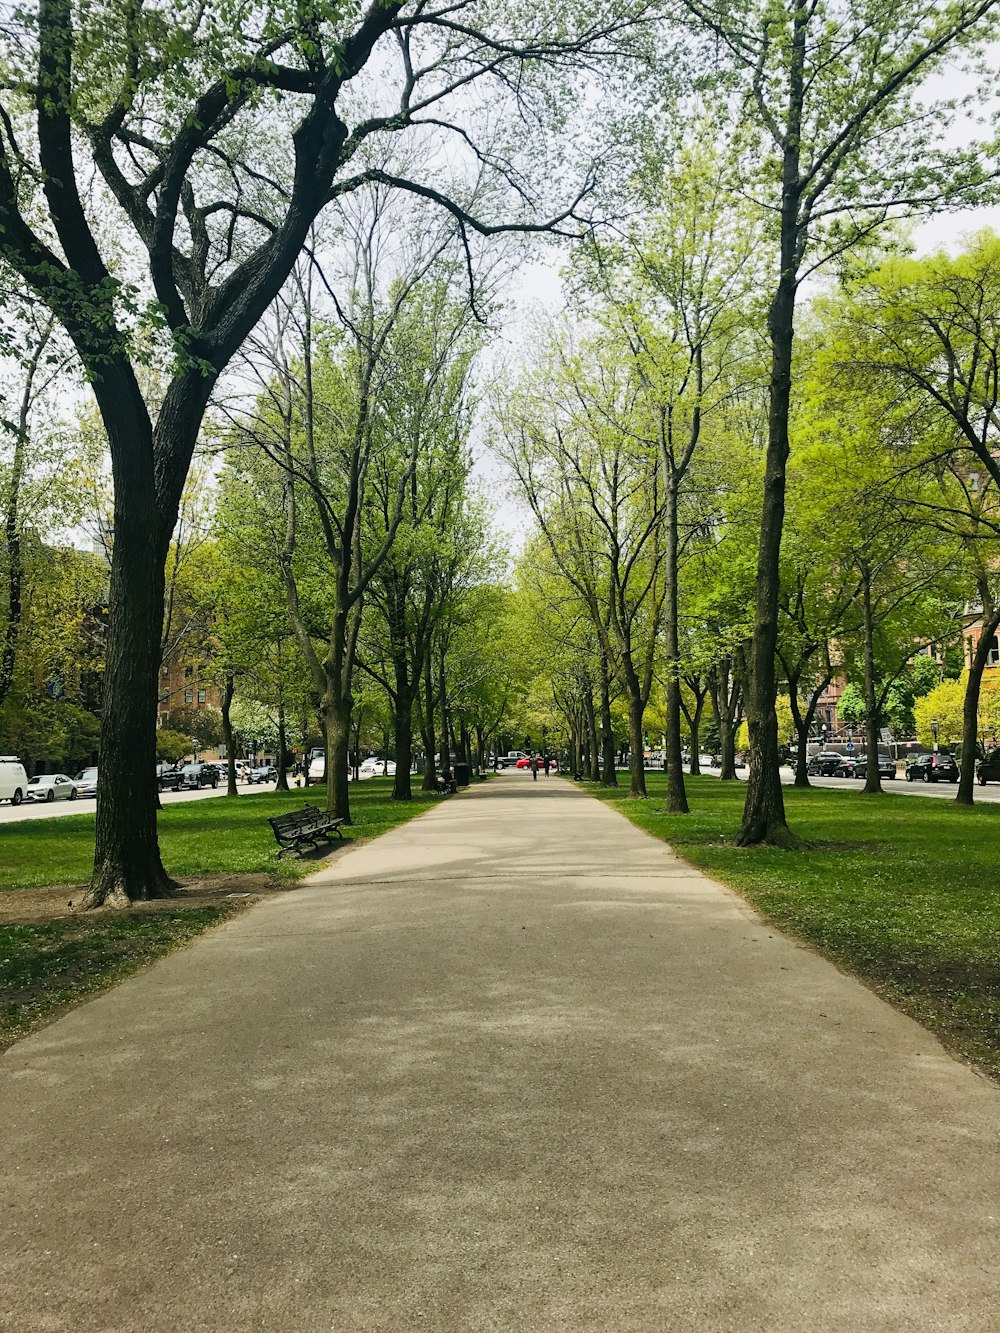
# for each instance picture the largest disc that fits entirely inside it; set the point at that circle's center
(172, 746)
(435, 544)
(216, 148)
(836, 141)
(675, 294)
(580, 442)
(335, 421)
(924, 334)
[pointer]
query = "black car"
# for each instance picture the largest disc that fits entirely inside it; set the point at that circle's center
(988, 768)
(886, 768)
(932, 768)
(848, 766)
(198, 775)
(824, 764)
(168, 777)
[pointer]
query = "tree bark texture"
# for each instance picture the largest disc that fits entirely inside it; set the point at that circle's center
(127, 862)
(677, 802)
(764, 809)
(873, 781)
(637, 767)
(428, 729)
(609, 773)
(593, 749)
(970, 704)
(282, 782)
(402, 720)
(227, 735)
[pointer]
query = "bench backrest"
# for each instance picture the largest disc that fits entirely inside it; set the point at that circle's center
(294, 819)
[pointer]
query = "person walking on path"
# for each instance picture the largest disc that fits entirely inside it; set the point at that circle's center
(546, 763)
(534, 768)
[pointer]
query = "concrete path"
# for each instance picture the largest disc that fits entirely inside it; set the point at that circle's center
(511, 1067)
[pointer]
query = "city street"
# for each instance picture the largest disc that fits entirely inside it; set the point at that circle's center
(942, 791)
(898, 786)
(10, 814)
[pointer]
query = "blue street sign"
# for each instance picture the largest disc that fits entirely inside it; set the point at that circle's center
(850, 747)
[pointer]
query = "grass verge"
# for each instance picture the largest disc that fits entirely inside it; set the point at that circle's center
(222, 850)
(902, 891)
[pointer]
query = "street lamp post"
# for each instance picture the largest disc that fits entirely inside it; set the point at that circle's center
(194, 749)
(934, 733)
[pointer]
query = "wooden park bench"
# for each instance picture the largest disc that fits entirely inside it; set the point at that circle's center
(299, 827)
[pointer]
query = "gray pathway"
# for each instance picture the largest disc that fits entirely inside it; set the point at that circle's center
(510, 1067)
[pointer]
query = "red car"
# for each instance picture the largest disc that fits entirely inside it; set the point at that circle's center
(526, 763)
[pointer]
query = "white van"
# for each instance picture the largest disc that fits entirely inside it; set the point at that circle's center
(13, 779)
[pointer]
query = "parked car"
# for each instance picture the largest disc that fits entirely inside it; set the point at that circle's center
(194, 776)
(525, 762)
(376, 766)
(262, 773)
(886, 768)
(824, 764)
(168, 776)
(13, 779)
(509, 760)
(86, 782)
(987, 770)
(847, 768)
(51, 787)
(932, 768)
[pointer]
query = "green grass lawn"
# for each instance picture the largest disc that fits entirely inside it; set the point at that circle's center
(50, 963)
(903, 891)
(220, 835)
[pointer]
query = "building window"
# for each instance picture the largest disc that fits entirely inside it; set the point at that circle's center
(201, 696)
(188, 696)
(994, 656)
(188, 672)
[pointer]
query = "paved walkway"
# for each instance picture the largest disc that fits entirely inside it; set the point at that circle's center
(511, 1067)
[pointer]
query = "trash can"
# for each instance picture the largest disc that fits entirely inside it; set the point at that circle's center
(461, 772)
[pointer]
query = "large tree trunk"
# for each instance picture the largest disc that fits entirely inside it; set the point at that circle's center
(402, 710)
(801, 723)
(227, 735)
(677, 803)
(764, 808)
(445, 723)
(403, 749)
(593, 751)
(427, 729)
(722, 697)
(694, 726)
(127, 864)
(12, 533)
(636, 763)
(282, 782)
(970, 704)
(609, 774)
(337, 727)
(873, 782)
